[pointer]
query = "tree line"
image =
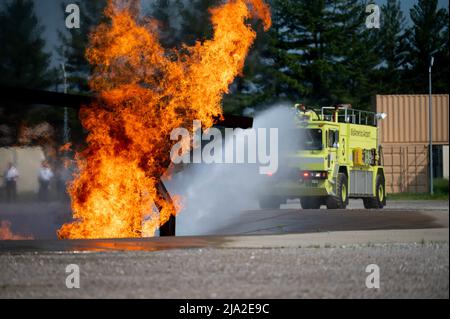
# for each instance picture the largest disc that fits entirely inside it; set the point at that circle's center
(318, 52)
(322, 53)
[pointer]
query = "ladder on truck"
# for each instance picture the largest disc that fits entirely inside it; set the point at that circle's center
(348, 115)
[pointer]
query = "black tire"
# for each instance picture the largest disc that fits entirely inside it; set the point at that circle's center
(270, 202)
(340, 201)
(310, 202)
(379, 201)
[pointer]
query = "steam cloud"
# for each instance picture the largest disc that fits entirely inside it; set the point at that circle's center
(214, 193)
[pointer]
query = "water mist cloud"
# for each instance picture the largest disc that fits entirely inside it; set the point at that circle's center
(214, 193)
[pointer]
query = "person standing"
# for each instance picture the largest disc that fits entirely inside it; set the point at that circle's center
(44, 178)
(11, 177)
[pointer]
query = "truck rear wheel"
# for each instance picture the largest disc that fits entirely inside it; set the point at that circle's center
(379, 201)
(310, 202)
(270, 202)
(341, 198)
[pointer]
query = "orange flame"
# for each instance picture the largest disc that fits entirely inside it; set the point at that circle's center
(146, 92)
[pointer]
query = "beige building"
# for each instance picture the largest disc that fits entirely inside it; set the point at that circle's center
(27, 161)
(405, 140)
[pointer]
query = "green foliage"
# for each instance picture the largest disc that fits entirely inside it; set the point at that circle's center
(23, 61)
(428, 35)
(417, 196)
(321, 53)
(440, 186)
(392, 48)
(195, 21)
(167, 13)
(75, 41)
(317, 52)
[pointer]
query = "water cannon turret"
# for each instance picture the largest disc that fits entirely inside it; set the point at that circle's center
(301, 107)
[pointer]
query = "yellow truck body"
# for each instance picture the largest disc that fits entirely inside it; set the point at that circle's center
(340, 158)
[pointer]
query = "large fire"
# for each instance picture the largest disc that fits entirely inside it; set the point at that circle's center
(146, 91)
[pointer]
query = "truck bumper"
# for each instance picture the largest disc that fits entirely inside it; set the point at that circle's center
(295, 190)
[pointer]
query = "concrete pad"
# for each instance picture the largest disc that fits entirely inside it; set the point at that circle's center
(334, 239)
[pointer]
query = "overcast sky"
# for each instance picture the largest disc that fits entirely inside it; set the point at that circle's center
(52, 17)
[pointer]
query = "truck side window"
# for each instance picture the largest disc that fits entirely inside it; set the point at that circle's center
(336, 139)
(333, 139)
(330, 137)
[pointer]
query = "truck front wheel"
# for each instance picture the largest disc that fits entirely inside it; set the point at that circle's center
(379, 201)
(341, 198)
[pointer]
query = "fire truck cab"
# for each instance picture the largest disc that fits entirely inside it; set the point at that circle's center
(339, 157)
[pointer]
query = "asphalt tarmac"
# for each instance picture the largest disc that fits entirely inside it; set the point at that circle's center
(41, 221)
(285, 253)
(290, 220)
(252, 223)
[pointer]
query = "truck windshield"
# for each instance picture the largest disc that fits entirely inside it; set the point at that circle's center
(311, 139)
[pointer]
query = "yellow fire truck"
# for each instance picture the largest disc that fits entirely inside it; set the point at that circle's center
(338, 157)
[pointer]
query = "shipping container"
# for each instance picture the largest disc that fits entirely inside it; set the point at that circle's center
(407, 119)
(406, 168)
(404, 135)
